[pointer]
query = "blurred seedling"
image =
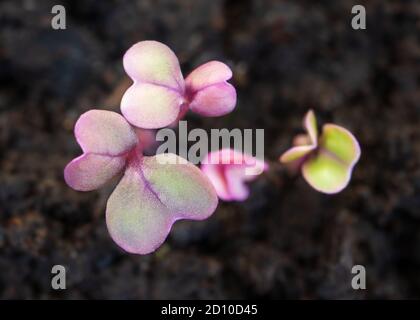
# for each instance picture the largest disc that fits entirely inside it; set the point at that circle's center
(326, 161)
(230, 171)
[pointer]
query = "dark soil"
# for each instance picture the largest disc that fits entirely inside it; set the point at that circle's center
(286, 240)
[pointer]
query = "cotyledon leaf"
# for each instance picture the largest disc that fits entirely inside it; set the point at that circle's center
(151, 196)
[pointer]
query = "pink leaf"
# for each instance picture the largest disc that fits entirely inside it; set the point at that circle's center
(152, 196)
(310, 125)
(104, 132)
(211, 95)
(149, 106)
(155, 98)
(215, 100)
(154, 63)
(91, 171)
(208, 74)
(160, 96)
(296, 153)
(305, 144)
(228, 170)
(106, 138)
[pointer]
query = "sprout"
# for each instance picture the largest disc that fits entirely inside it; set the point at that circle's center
(151, 196)
(228, 170)
(159, 95)
(327, 162)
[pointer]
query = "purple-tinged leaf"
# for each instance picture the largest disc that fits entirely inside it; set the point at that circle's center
(91, 171)
(310, 125)
(104, 132)
(215, 100)
(208, 74)
(155, 98)
(296, 153)
(160, 96)
(304, 144)
(152, 196)
(228, 170)
(149, 106)
(154, 63)
(105, 138)
(211, 95)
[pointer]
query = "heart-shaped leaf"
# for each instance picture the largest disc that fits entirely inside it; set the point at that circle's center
(105, 138)
(155, 98)
(152, 196)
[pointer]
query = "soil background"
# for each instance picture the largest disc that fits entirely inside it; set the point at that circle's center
(286, 240)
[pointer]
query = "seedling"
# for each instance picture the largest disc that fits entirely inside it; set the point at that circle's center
(156, 191)
(160, 95)
(326, 162)
(151, 196)
(229, 171)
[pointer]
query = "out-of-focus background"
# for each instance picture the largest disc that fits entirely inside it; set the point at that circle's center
(286, 240)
